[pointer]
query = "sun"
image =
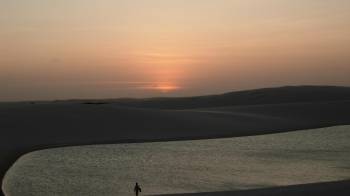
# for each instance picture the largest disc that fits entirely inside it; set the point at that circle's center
(165, 88)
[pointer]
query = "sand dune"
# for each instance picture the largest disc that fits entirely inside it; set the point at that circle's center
(225, 164)
(27, 127)
(340, 188)
(288, 94)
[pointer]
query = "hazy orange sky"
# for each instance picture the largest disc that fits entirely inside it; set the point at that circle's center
(62, 49)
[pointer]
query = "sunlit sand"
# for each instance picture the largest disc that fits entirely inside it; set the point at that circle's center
(301, 157)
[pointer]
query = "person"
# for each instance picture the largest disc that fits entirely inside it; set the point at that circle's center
(137, 189)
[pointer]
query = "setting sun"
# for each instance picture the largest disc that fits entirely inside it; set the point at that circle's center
(161, 87)
(166, 87)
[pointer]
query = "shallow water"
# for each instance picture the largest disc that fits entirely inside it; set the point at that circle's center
(185, 166)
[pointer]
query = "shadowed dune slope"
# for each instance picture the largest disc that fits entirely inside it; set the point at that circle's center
(28, 127)
(340, 188)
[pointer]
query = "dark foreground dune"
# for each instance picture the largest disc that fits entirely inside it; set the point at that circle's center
(26, 127)
(340, 188)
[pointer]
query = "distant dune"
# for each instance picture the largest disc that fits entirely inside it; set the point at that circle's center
(26, 126)
(288, 94)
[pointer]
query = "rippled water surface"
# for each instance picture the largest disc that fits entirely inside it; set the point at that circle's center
(185, 166)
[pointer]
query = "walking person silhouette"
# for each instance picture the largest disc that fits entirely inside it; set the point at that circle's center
(137, 189)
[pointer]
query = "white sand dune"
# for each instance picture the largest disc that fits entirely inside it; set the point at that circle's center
(254, 162)
(339, 188)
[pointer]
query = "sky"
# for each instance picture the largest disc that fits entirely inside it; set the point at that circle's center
(71, 49)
